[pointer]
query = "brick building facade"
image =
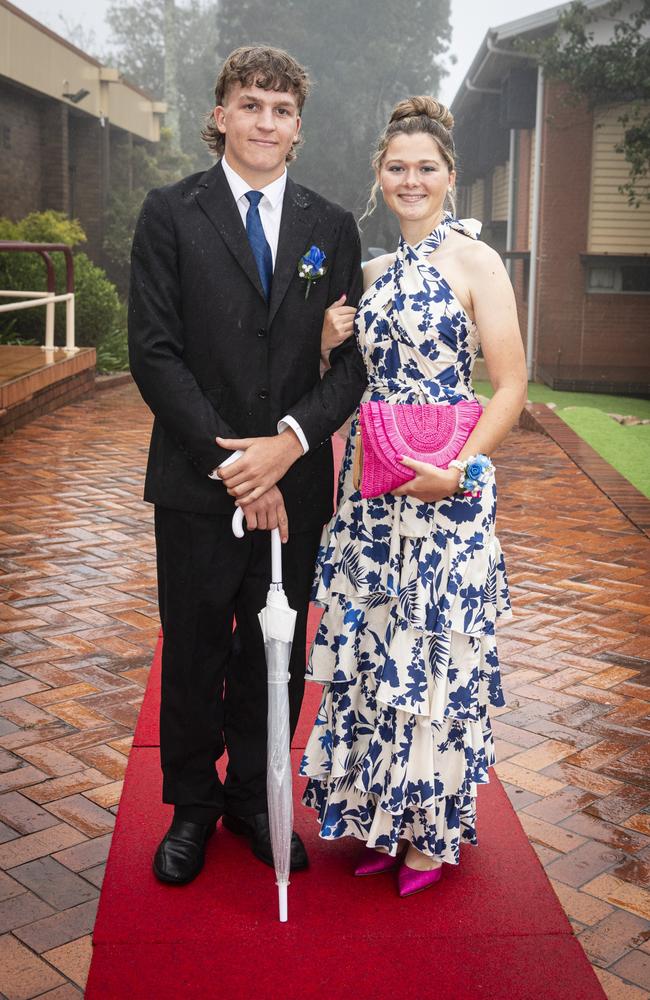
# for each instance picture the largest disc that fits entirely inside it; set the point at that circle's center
(57, 151)
(589, 267)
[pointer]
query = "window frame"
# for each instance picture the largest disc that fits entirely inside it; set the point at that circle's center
(615, 263)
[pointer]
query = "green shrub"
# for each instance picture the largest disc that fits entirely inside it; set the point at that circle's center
(9, 334)
(113, 350)
(121, 216)
(148, 166)
(98, 311)
(50, 227)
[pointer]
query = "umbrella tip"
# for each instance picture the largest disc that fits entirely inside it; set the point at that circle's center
(283, 903)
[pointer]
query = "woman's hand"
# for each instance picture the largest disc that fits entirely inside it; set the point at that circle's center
(338, 326)
(430, 483)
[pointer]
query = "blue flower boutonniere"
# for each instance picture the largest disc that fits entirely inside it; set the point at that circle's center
(311, 267)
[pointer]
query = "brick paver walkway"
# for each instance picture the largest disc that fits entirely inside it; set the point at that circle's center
(78, 622)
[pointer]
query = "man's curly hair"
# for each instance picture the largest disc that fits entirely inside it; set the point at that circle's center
(257, 66)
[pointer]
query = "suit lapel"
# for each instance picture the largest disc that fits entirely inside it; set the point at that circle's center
(298, 219)
(215, 198)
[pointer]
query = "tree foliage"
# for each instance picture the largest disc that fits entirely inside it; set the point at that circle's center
(608, 72)
(78, 34)
(132, 175)
(363, 58)
(138, 50)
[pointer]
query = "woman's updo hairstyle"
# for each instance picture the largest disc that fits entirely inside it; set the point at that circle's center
(416, 114)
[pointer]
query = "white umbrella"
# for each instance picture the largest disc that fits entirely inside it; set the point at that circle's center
(278, 621)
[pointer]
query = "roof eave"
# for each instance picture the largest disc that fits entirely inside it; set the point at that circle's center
(530, 25)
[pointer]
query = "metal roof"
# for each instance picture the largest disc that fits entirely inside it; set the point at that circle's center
(488, 66)
(540, 19)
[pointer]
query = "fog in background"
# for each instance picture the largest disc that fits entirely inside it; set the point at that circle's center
(470, 19)
(364, 56)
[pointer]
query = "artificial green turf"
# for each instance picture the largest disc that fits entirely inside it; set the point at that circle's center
(538, 393)
(626, 448)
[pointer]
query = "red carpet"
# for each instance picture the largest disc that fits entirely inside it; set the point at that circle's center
(476, 935)
(492, 929)
(146, 730)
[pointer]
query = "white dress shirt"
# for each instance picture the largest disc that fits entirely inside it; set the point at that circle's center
(270, 206)
(270, 209)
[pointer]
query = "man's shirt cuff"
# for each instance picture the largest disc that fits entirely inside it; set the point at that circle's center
(283, 424)
(296, 428)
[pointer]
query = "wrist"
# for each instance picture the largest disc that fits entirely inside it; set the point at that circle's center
(292, 448)
(474, 473)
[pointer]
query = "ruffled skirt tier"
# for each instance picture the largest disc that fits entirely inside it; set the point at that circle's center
(407, 655)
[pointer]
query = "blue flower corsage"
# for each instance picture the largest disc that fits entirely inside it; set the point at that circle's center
(311, 267)
(475, 474)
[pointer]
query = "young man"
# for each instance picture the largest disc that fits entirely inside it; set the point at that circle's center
(225, 342)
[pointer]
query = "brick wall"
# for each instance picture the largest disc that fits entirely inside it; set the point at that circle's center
(524, 143)
(47, 400)
(52, 157)
(616, 331)
(564, 219)
(576, 330)
(520, 234)
(20, 152)
(55, 183)
(87, 155)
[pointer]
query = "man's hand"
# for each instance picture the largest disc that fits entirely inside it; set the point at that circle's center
(267, 512)
(429, 483)
(264, 462)
(338, 326)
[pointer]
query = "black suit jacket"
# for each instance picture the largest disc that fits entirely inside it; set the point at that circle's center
(212, 357)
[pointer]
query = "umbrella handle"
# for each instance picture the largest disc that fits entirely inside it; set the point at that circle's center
(238, 523)
(276, 544)
(276, 557)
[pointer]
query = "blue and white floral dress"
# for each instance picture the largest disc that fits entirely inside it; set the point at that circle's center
(406, 646)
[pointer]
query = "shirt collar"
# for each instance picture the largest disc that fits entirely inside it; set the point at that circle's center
(273, 192)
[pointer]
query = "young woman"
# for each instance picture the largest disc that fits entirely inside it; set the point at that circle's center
(413, 580)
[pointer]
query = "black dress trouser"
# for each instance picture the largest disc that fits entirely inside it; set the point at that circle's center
(213, 680)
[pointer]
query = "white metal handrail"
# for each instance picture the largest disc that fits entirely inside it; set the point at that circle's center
(49, 300)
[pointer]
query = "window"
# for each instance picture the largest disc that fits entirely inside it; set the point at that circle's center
(602, 279)
(635, 278)
(618, 277)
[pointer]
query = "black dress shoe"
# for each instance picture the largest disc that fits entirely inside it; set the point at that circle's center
(181, 852)
(256, 828)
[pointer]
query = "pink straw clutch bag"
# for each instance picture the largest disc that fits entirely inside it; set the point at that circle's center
(428, 432)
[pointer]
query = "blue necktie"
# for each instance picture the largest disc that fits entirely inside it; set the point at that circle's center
(257, 239)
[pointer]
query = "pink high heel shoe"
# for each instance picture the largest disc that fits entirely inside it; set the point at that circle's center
(374, 862)
(411, 880)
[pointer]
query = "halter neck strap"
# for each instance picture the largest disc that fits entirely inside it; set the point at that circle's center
(469, 227)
